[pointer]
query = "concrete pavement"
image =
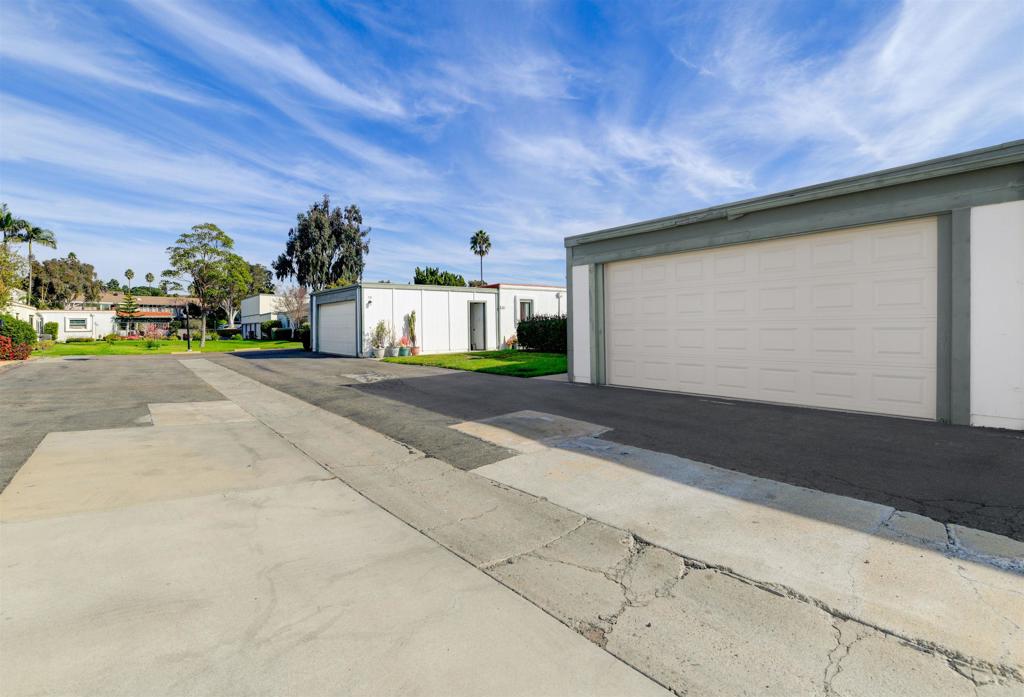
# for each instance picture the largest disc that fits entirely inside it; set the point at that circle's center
(206, 554)
(695, 627)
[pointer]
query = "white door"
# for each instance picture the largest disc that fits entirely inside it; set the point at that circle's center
(477, 326)
(336, 326)
(843, 320)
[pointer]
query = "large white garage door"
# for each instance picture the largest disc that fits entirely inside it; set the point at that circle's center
(336, 326)
(843, 320)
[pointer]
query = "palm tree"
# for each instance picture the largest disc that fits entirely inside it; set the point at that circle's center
(150, 278)
(480, 243)
(9, 224)
(129, 274)
(30, 234)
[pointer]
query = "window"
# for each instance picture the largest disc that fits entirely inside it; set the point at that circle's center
(525, 309)
(80, 323)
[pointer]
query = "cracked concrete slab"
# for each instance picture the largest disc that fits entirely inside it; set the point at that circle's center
(685, 625)
(830, 549)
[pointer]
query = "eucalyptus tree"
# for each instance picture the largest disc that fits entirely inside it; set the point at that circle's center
(197, 262)
(480, 244)
(326, 247)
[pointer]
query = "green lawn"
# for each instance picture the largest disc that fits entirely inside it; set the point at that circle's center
(522, 364)
(138, 346)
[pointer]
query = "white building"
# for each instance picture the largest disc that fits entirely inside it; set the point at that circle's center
(82, 324)
(899, 292)
(448, 318)
(19, 307)
(257, 309)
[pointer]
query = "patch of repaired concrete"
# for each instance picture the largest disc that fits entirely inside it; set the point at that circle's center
(527, 431)
(191, 413)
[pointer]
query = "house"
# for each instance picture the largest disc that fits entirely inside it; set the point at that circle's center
(257, 309)
(81, 324)
(172, 304)
(19, 308)
(899, 292)
(448, 318)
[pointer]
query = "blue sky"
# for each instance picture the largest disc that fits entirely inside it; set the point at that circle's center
(124, 123)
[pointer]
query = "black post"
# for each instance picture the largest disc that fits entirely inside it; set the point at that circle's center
(188, 327)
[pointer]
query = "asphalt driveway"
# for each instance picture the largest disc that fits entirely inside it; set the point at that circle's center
(953, 474)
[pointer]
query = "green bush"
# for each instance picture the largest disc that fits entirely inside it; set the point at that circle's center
(267, 328)
(18, 331)
(79, 340)
(282, 334)
(51, 328)
(152, 344)
(543, 333)
(231, 333)
(304, 336)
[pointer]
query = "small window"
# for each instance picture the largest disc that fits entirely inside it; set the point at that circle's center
(525, 309)
(77, 323)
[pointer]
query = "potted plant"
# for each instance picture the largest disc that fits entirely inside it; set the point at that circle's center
(379, 338)
(403, 349)
(412, 333)
(511, 342)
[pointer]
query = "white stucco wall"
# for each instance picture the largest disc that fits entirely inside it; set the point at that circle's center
(442, 317)
(546, 301)
(98, 323)
(579, 320)
(997, 315)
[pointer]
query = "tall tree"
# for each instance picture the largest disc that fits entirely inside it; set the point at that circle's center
(11, 265)
(60, 281)
(237, 282)
(10, 224)
(129, 274)
(262, 279)
(325, 247)
(113, 285)
(150, 278)
(197, 262)
(480, 244)
(31, 234)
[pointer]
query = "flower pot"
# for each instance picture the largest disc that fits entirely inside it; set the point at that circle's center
(415, 350)
(378, 352)
(403, 350)
(391, 351)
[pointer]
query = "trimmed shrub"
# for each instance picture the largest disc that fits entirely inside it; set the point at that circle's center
(282, 334)
(18, 331)
(267, 328)
(13, 352)
(231, 333)
(51, 328)
(305, 337)
(79, 340)
(543, 333)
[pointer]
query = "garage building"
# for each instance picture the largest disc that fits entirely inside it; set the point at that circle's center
(448, 318)
(899, 292)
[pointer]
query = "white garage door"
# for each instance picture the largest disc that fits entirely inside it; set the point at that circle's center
(843, 320)
(336, 325)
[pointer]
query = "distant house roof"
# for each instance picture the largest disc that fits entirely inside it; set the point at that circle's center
(146, 315)
(115, 298)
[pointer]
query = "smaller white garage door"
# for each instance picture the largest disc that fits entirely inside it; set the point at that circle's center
(336, 326)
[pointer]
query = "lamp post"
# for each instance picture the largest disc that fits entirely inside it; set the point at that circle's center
(188, 327)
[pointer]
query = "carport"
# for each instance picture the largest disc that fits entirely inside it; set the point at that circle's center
(899, 292)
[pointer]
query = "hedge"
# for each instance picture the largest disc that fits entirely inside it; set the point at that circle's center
(51, 328)
(19, 331)
(226, 333)
(543, 333)
(267, 327)
(279, 334)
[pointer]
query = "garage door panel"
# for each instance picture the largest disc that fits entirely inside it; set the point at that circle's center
(842, 320)
(336, 328)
